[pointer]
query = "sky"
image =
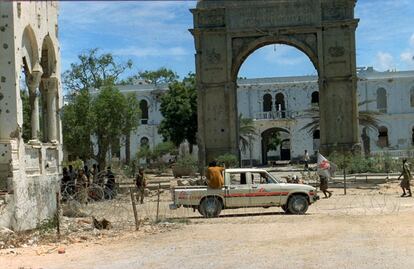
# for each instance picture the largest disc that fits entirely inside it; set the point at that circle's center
(155, 34)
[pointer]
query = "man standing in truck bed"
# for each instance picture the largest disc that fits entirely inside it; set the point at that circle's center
(214, 175)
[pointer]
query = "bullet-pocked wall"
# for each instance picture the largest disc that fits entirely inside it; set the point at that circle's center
(29, 67)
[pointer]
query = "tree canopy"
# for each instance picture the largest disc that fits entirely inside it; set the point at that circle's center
(159, 76)
(179, 109)
(93, 71)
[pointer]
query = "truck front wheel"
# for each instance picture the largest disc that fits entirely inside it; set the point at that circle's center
(210, 207)
(297, 204)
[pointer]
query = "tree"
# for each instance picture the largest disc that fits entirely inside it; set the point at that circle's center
(77, 126)
(111, 114)
(160, 76)
(274, 141)
(105, 116)
(94, 71)
(179, 109)
(247, 131)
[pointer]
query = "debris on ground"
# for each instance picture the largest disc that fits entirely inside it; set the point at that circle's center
(102, 224)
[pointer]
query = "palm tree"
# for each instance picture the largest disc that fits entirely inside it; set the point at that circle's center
(247, 131)
(366, 118)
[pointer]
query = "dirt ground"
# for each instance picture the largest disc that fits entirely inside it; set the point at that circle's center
(370, 227)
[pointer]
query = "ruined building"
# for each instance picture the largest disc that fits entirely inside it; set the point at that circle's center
(30, 102)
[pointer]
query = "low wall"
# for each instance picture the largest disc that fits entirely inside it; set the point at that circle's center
(35, 180)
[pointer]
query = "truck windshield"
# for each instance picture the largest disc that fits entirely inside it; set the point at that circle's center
(270, 179)
(263, 178)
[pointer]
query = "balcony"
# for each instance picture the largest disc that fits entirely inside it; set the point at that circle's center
(276, 115)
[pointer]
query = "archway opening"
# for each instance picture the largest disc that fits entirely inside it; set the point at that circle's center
(275, 145)
(24, 96)
(382, 100)
(275, 84)
(316, 140)
(48, 97)
(383, 141)
(315, 99)
(267, 102)
(143, 106)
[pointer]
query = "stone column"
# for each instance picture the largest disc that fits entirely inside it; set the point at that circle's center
(52, 89)
(33, 83)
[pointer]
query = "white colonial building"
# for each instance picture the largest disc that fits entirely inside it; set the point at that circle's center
(281, 105)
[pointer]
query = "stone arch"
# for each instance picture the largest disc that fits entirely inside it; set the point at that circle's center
(144, 141)
(267, 102)
(48, 57)
(143, 106)
(383, 137)
(227, 32)
(283, 152)
(315, 98)
(382, 101)
(29, 48)
(280, 104)
(249, 46)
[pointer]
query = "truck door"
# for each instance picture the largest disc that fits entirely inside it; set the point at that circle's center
(237, 190)
(264, 192)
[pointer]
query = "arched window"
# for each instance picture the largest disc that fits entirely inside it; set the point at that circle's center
(267, 103)
(143, 106)
(382, 100)
(412, 96)
(315, 99)
(144, 142)
(280, 104)
(383, 137)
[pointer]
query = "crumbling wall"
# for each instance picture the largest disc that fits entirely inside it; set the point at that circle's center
(29, 173)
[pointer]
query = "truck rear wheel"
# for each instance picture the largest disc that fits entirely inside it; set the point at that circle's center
(210, 207)
(297, 204)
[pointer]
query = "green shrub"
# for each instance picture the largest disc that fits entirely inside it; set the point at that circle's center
(360, 164)
(229, 160)
(186, 161)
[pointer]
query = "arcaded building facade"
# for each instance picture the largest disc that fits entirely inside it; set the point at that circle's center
(30, 147)
(283, 105)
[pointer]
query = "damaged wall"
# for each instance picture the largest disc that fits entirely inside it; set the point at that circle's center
(29, 172)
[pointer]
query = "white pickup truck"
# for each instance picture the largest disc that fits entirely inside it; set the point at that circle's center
(245, 188)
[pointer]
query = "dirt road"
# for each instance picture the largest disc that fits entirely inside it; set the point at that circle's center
(353, 231)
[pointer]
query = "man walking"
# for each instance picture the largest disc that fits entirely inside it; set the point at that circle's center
(405, 182)
(141, 183)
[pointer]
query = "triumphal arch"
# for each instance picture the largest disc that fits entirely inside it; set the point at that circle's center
(227, 32)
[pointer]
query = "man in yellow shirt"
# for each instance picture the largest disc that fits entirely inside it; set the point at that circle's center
(214, 175)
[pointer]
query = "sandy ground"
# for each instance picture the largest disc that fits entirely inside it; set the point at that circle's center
(371, 227)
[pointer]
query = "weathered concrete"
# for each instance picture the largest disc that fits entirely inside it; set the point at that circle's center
(29, 173)
(227, 32)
